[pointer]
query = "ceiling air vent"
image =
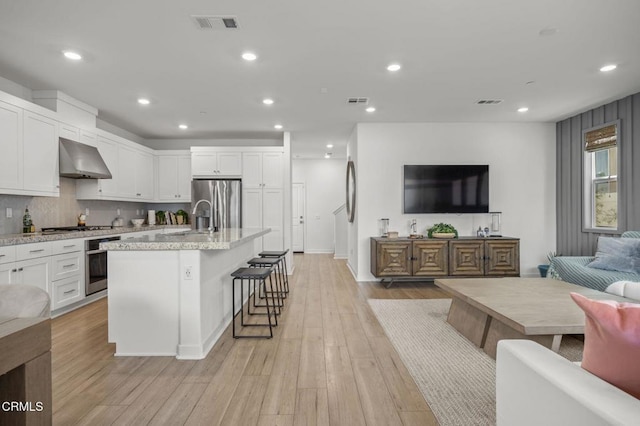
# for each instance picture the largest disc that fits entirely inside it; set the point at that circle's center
(359, 101)
(489, 101)
(215, 22)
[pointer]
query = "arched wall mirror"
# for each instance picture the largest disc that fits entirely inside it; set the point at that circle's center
(351, 191)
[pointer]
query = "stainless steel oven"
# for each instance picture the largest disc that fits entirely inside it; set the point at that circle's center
(96, 265)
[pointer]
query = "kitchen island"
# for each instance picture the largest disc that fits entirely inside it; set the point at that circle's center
(171, 294)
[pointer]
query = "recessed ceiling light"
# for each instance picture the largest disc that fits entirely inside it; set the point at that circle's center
(370, 109)
(183, 126)
(523, 109)
(249, 56)
(393, 67)
(608, 68)
(277, 126)
(143, 101)
(267, 101)
(69, 54)
(329, 145)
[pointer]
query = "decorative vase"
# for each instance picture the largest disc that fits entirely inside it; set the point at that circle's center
(543, 270)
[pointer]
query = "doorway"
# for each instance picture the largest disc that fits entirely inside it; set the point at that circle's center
(297, 217)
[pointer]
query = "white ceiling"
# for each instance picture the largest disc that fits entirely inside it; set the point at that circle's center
(452, 52)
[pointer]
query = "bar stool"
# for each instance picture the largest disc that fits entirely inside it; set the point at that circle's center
(267, 262)
(281, 255)
(249, 275)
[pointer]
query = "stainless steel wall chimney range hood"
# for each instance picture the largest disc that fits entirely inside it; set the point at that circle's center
(80, 161)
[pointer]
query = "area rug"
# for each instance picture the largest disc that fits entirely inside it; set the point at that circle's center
(456, 378)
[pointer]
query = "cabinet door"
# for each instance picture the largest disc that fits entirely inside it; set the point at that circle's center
(502, 258)
(108, 150)
(40, 154)
(204, 164)
(184, 179)
(466, 258)
(88, 138)
(229, 164)
(272, 170)
(7, 273)
(393, 259)
(273, 217)
(252, 170)
(144, 176)
(66, 265)
(167, 178)
(430, 258)
(35, 272)
(11, 137)
(127, 162)
(252, 208)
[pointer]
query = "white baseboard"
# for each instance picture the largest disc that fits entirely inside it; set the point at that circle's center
(318, 251)
(340, 256)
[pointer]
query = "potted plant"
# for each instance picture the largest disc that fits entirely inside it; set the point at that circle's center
(543, 269)
(442, 230)
(182, 217)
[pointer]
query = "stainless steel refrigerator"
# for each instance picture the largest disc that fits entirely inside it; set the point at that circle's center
(226, 198)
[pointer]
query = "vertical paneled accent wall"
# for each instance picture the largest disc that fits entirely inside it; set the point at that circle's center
(571, 239)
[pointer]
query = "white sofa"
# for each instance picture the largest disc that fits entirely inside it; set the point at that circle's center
(535, 386)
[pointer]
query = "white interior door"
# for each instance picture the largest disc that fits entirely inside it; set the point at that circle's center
(297, 217)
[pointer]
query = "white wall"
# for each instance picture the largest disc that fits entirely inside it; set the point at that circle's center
(324, 187)
(521, 159)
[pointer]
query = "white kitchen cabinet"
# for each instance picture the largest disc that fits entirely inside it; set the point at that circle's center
(127, 161)
(36, 272)
(264, 208)
(210, 164)
(174, 178)
(88, 138)
(262, 170)
(11, 136)
(40, 154)
(144, 179)
(263, 202)
(68, 131)
(67, 272)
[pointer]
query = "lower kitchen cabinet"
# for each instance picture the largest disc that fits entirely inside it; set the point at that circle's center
(67, 291)
(461, 257)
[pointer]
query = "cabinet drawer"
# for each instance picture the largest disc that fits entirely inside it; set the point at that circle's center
(67, 291)
(66, 265)
(66, 246)
(32, 251)
(7, 254)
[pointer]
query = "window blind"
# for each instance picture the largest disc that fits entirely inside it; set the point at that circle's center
(602, 138)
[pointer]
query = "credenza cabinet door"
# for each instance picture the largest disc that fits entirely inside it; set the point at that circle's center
(393, 259)
(430, 258)
(502, 258)
(466, 258)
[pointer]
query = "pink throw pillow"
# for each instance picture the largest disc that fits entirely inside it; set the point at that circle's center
(612, 342)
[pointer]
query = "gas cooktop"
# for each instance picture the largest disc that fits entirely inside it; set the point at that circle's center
(57, 229)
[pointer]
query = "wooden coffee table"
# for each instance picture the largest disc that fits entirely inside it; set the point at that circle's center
(486, 310)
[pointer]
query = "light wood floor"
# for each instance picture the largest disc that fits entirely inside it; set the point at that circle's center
(329, 363)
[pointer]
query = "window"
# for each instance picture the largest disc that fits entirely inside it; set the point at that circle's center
(601, 178)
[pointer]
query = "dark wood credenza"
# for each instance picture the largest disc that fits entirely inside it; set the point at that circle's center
(429, 258)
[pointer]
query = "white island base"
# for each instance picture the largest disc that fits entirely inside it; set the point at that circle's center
(171, 302)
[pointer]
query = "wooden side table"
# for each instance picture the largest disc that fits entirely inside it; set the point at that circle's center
(25, 371)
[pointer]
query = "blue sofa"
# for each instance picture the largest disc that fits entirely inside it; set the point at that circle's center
(574, 269)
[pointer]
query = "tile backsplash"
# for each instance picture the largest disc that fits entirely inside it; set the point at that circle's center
(64, 210)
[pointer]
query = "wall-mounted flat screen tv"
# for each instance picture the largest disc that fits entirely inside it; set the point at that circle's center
(446, 189)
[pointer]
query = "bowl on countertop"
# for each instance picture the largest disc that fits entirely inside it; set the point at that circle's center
(137, 222)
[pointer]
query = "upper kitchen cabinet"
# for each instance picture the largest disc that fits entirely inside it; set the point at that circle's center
(11, 158)
(40, 155)
(74, 133)
(174, 177)
(132, 171)
(29, 163)
(262, 170)
(211, 163)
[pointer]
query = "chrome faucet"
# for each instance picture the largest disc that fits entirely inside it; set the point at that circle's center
(210, 209)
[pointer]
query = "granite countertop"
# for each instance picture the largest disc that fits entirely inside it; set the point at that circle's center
(39, 237)
(190, 240)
